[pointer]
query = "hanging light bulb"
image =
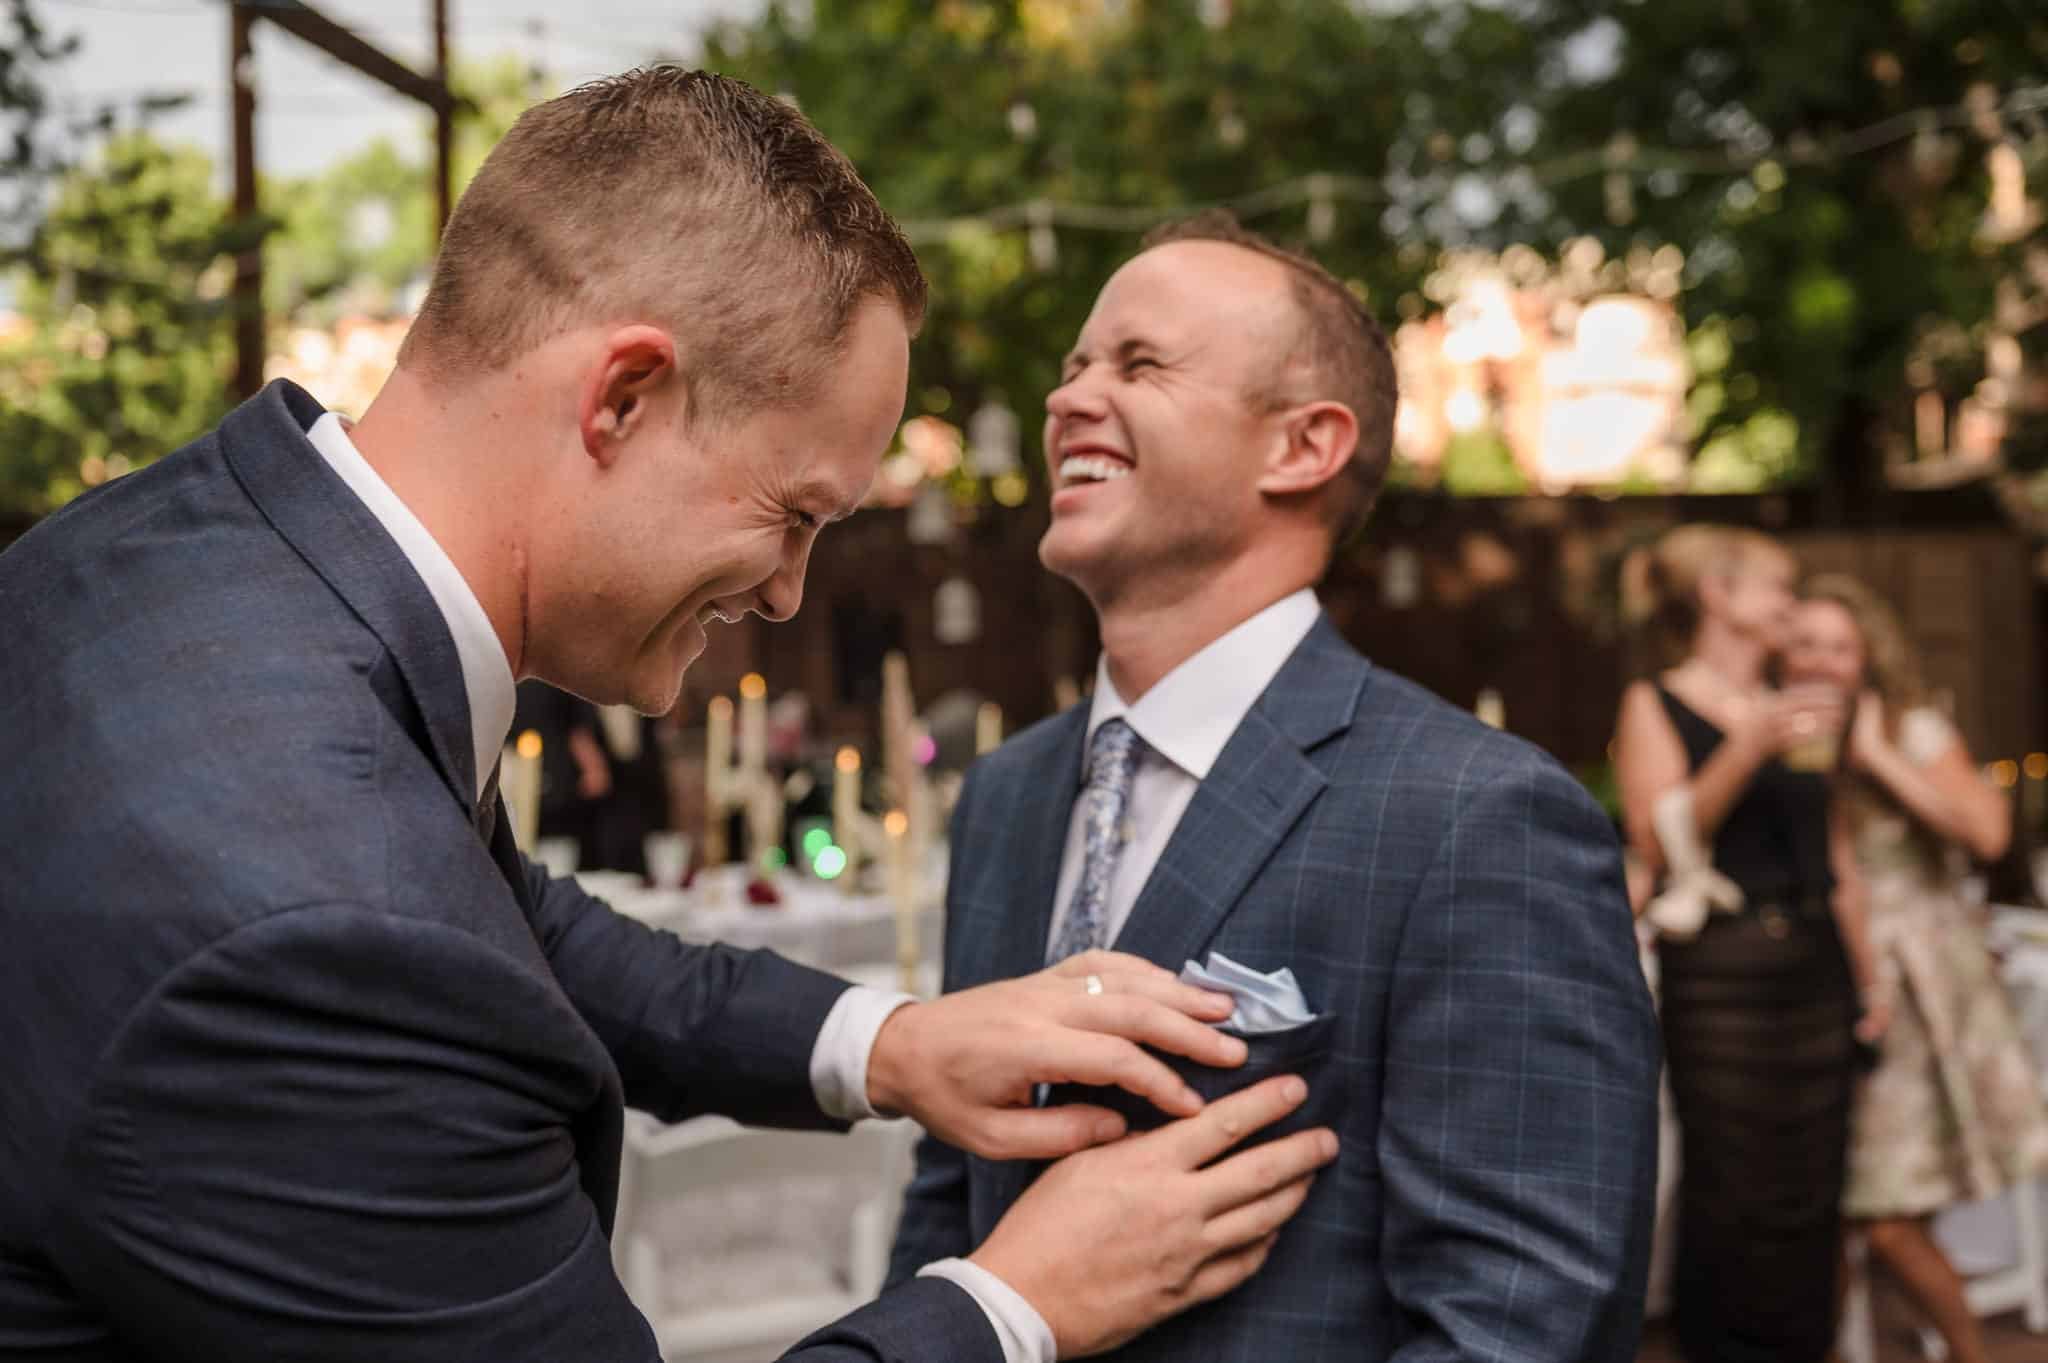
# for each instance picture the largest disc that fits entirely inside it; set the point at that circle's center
(994, 439)
(1620, 189)
(1322, 210)
(1045, 246)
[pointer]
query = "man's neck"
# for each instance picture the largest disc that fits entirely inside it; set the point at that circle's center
(1145, 635)
(426, 447)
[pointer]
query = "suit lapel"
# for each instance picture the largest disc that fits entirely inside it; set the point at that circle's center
(265, 443)
(1250, 801)
(1045, 806)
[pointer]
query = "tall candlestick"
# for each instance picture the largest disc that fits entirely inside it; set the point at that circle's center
(898, 710)
(988, 728)
(523, 787)
(896, 829)
(717, 778)
(1490, 709)
(846, 808)
(753, 725)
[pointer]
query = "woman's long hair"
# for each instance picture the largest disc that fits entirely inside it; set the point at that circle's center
(1891, 669)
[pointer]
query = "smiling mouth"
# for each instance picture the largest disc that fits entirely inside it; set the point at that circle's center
(1090, 467)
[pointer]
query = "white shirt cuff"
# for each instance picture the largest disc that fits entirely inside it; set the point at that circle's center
(1025, 1336)
(839, 1059)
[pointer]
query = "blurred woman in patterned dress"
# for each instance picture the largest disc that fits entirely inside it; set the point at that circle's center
(1952, 1112)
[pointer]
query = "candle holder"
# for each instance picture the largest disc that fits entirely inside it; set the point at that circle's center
(750, 788)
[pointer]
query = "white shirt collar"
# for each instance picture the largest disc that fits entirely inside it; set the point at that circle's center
(1194, 709)
(486, 675)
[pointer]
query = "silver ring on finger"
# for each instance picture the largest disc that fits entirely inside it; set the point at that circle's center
(1093, 984)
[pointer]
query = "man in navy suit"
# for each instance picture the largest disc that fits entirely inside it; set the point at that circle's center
(304, 1061)
(1449, 902)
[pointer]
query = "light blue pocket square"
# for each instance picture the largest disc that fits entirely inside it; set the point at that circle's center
(1265, 1003)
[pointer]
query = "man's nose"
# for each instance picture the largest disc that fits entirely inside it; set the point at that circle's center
(779, 597)
(1079, 398)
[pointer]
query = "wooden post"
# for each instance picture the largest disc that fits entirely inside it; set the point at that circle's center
(248, 290)
(349, 48)
(444, 128)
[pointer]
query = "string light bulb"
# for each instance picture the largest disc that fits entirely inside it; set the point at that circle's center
(1045, 245)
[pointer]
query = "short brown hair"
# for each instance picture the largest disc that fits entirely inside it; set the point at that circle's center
(1341, 349)
(675, 197)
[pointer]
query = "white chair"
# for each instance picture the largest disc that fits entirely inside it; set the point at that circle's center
(736, 1243)
(2020, 1284)
(2023, 1284)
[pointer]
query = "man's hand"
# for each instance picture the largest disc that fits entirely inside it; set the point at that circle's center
(1112, 1241)
(965, 1065)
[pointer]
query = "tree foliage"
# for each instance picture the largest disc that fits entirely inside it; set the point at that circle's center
(132, 339)
(1825, 166)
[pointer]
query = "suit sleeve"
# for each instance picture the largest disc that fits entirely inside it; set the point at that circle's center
(339, 1134)
(1518, 1127)
(935, 1223)
(692, 1028)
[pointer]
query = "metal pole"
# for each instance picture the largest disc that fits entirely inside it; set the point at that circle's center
(444, 127)
(248, 290)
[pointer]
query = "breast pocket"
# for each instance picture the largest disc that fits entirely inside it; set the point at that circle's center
(1302, 1050)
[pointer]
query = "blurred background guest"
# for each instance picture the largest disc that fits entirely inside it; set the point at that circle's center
(1759, 999)
(1952, 1112)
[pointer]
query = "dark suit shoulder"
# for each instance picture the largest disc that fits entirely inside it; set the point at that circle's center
(1419, 733)
(1028, 755)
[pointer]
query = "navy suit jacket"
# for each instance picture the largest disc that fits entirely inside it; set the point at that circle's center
(1452, 905)
(298, 1067)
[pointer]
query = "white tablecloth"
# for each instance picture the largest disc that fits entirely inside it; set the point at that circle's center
(817, 923)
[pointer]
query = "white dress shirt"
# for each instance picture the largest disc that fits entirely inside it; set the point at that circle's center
(1185, 720)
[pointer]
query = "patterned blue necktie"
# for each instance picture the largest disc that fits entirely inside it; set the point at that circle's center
(1112, 758)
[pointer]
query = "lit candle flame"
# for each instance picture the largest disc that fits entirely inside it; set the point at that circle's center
(529, 745)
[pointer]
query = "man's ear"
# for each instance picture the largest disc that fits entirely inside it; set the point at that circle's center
(1317, 441)
(637, 361)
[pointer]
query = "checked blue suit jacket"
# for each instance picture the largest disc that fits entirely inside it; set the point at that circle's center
(296, 1066)
(1452, 905)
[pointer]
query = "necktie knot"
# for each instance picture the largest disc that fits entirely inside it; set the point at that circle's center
(1112, 757)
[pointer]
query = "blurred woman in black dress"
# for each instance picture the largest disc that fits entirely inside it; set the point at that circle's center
(1761, 946)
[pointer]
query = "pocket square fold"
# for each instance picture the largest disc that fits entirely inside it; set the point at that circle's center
(1265, 1003)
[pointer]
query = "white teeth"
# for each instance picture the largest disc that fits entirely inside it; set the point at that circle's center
(1092, 468)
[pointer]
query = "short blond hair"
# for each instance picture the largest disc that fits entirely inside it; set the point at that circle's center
(673, 197)
(1340, 348)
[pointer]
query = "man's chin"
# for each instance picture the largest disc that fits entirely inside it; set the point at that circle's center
(1077, 557)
